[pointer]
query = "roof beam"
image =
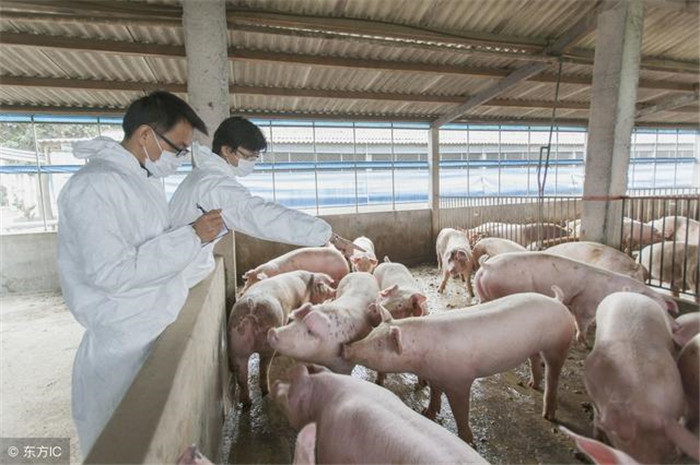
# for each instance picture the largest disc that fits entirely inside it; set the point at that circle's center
(156, 50)
(105, 111)
(582, 27)
(668, 104)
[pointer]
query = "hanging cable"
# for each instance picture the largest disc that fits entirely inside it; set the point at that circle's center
(543, 163)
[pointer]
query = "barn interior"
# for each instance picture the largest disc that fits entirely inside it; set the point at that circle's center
(419, 114)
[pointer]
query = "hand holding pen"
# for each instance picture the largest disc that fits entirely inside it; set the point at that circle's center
(209, 225)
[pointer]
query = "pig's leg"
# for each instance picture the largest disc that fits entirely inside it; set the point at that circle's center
(380, 378)
(242, 380)
(553, 362)
(535, 371)
(445, 277)
(470, 289)
(459, 403)
(435, 402)
(262, 378)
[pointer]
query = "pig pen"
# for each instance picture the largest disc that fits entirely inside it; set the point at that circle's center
(505, 414)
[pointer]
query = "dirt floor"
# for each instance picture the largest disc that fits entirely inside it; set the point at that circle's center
(505, 414)
(38, 341)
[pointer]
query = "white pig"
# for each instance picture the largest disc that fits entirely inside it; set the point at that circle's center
(326, 260)
(454, 257)
(598, 452)
(668, 261)
(678, 228)
(450, 350)
(601, 256)
(492, 246)
(632, 378)
(267, 305)
(360, 422)
(636, 234)
(316, 333)
(688, 366)
(686, 327)
(363, 261)
(584, 286)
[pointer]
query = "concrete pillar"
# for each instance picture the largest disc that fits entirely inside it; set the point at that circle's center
(614, 94)
(434, 173)
(206, 44)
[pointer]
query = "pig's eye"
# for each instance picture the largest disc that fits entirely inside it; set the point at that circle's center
(309, 333)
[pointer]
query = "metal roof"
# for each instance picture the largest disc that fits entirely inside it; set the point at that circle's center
(341, 59)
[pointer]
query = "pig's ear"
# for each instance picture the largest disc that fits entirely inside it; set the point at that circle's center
(482, 259)
(671, 305)
(385, 314)
(318, 323)
(305, 449)
(389, 290)
(461, 255)
(354, 259)
(395, 336)
(301, 312)
(261, 276)
(249, 274)
(418, 301)
(386, 259)
(616, 418)
(373, 261)
(597, 451)
(315, 368)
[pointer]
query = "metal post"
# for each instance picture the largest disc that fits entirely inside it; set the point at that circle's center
(271, 150)
(313, 129)
(38, 177)
(354, 159)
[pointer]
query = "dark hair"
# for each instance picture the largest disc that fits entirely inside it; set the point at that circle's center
(161, 110)
(238, 132)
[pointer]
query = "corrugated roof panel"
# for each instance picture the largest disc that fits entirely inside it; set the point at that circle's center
(11, 95)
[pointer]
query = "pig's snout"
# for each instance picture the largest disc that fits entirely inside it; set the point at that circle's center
(273, 338)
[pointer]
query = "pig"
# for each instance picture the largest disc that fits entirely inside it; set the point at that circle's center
(305, 447)
(326, 260)
(523, 234)
(317, 332)
(679, 228)
(192, 456)
(401, 294)
(584, 285)
(454, 258)
(360, 422)
(632, 378)
(686, 327)
(363, 261)
(598, 452)
(601, 256)
(492, 246)
(636, 234)
(688, 366)
(450, 350)
(667, 262)
(267, 305)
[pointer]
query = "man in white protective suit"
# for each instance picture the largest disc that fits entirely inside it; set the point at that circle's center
(120, 260)
(213, 185)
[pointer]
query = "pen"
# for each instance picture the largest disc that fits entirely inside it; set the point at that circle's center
(201, 208)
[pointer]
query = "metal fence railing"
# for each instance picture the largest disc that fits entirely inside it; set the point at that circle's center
(662, 232)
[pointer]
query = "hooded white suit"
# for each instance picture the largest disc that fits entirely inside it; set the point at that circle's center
(213, 185)
(121, 270)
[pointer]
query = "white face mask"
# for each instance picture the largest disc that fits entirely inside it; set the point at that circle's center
(166, 165)
(244, 168)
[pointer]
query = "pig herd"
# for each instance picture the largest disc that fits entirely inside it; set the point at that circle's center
(641, 373)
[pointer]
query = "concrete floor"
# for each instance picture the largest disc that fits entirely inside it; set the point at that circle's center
(505, 414)
(38, 342)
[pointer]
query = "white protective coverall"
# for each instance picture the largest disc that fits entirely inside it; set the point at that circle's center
(121, 271)
(213, 185)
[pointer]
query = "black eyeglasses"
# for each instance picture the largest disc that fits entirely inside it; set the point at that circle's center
(245, 156)
(179, 152)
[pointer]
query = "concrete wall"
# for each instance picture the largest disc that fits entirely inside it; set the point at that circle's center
(28, 263)
(404, 236)
(179, 396)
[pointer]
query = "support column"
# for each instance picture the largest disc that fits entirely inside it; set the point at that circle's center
(696, 169)
(434, 172)
(206, 45)
(614, 94)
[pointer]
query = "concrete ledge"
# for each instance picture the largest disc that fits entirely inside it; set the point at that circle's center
(179, 396)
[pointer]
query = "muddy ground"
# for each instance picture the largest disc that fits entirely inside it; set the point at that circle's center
(505, 414)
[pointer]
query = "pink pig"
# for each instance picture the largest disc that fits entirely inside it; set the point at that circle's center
(360, 422)
(632, 377)
(326, 260)
(601, 256)
(688, 366)
(450, 350)
(454, 257)
(316, 333)
(363, 261)
(584, 286)
(267, 305)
